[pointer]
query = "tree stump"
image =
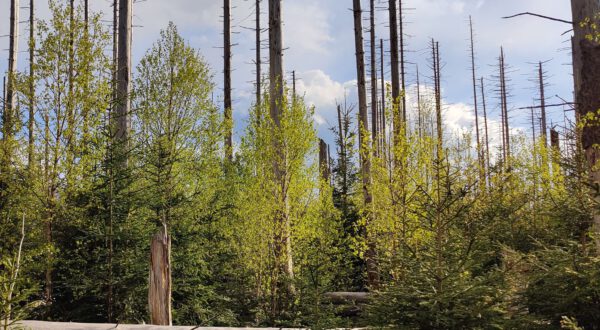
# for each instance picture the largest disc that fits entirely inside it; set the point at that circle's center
(159, 292)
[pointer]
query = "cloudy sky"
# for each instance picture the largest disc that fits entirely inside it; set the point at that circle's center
(318, 35)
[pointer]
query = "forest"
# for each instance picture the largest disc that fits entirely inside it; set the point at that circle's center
(130, 194)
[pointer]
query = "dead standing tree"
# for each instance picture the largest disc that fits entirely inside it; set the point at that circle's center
(31, 96)
(586, 72)
(363, 124)
(374, 112)
(9, 114)
(284, 263)
(394, 53)
(258, 60)
(485, 123)
(480, 157)
(227, 78)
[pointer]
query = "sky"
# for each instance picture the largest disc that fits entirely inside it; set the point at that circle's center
(319, 42)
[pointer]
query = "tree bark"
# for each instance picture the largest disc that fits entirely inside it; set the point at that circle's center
(323, 161)
(123, 102)
(258, 56)
(485, 122)
(31, 119)
(480, 157)
(544, 128)
(363, 124)
(586, 72)
(227, 73)
(159, 294)
(9, 112)
(394, 50)
(374, 114)
(402, 61)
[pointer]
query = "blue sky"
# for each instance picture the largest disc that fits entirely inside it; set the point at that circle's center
(318, 35)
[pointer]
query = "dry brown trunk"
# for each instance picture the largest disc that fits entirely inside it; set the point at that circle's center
(159, 294)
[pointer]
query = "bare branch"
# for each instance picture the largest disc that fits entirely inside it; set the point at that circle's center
(541, 16)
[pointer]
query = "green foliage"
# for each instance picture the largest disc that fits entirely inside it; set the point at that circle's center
(259, 240)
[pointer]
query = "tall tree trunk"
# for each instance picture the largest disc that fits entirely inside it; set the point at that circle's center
(394, 52)
(438, 97)
(419, 109)
(363, 124)
(504, 109)
(544, 128)
(258, 56)
(111, 172)
(374, 114)
(485, 122)
(283, 248)
(402, 61)
(123, 102)
(480, 157)
(9, 115)
(382, 112)
(31, 119)
(586, 72)
(159, 294)
(323, 160)
(227, 73)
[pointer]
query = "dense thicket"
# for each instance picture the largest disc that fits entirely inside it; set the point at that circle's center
(259, 239)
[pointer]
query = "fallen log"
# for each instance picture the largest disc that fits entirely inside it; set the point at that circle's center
(341, 298)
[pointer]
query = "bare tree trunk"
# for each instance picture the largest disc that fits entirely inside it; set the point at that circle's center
(111, 172)
(123, 102)
(323, 160)
(402, 61)
(363, 124)
(159, 294)
(31, 119)
(283, 248)
(504, 97)
(555, 140)
(275, 60)
(293, 86)
(394, 53)
(419, 110)
(258, 59)
(3, 94)
(374, 114)
(438, 97)
(382, 112)
(227, 73)
(475, 105)
(9, 115)
(586, 72)
(487, 140)
(544, 128)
